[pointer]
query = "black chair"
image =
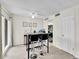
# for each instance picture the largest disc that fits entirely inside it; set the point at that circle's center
(51, 35)
(43, 37)
(34, 38)
(31, 40)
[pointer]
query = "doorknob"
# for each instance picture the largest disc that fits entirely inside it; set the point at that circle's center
(62, 35)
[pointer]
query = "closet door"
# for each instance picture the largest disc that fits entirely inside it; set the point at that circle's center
(68, 34)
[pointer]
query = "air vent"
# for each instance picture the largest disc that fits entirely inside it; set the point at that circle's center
(57, 14)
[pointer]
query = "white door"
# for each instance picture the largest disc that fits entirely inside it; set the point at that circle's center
(68, 34)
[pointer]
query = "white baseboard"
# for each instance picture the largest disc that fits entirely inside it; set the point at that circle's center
(6, 49)
(77, 56)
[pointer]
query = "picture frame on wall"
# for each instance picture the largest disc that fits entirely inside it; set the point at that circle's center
(34, 24)
(29, 24)
(25, 24)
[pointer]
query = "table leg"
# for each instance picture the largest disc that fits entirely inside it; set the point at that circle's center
(48, 45)
(28, 46)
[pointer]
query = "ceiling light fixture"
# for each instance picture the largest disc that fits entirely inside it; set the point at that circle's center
(33, 16)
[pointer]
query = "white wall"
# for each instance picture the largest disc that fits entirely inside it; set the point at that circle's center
(77, 32)
(0, 34)
(45, 25)
(63, 30)
(66, 31)
(19, 30)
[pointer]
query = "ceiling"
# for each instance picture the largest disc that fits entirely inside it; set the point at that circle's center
(43, 8)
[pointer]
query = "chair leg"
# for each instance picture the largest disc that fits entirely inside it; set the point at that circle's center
(33, 54)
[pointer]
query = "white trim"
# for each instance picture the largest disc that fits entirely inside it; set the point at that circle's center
(77, 56)
(5, 49)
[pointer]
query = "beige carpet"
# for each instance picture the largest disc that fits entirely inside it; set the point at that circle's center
(19, 52)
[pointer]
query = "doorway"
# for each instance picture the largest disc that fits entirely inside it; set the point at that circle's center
(50, 31)
(6, 32)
